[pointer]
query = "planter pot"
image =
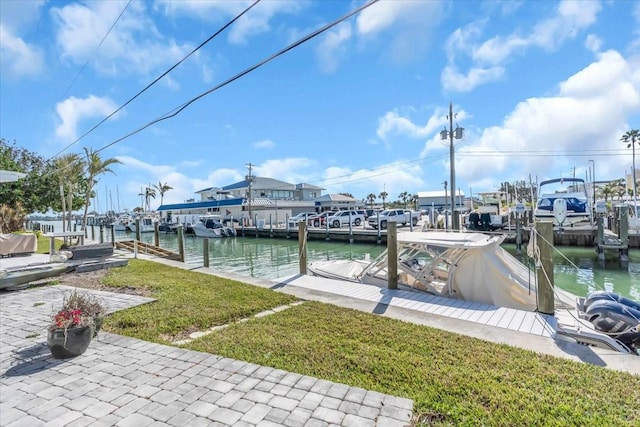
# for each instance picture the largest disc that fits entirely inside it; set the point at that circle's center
(70, 343)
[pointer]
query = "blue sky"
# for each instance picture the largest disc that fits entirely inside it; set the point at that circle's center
(540, 87)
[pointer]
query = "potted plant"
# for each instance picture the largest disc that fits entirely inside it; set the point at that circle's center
(74, 325)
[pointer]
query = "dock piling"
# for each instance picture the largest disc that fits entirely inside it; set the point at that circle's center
(545, 271)
(392, 255)
(302, 247)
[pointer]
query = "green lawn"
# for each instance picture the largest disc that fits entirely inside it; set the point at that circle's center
(453, 379)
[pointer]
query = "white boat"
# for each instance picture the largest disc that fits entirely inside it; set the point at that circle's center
(212, 226)
(474, 267)
(147, 223)
(564, 200)
(122, 223)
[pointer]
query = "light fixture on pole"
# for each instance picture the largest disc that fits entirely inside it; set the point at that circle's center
(451, 134)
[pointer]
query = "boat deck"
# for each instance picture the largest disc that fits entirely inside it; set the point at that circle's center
(516, 320)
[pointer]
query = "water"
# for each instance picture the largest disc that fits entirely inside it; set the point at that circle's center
(576, 270)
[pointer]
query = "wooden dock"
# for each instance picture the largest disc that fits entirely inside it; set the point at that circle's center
(516, 320)
(147, 248)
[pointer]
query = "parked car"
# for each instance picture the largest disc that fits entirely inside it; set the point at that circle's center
(399, 216)
(340, 218)
(319, 220)
(294, 220)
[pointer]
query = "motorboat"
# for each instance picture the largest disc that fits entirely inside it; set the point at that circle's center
(212, 226)
(474, 267)
(564, 200)
(122, 223)
(147, 223)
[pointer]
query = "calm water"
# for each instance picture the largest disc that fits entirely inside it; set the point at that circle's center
(577, 270)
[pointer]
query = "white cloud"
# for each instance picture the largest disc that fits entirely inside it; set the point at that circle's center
(134, 45)
(589, 112)
(593, 43)
(266, 144)
(488, 58)
(294, 169)
(73, 110)
(18, 57)
(453, 80)
(393, 123)
(394, 178)
(257, 21)
(332, 47)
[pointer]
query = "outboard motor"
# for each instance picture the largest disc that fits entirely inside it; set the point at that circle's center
(617, 316)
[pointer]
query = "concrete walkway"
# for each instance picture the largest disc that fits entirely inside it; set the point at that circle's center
(128, 382)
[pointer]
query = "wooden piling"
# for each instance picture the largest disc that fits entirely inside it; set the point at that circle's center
(392, 255)
(545, 272)
(138, 231)
(302, 247)
(156, 233)
(113, 235)
(205, 252)
(93, 232)
(180, 233)
(101, 233)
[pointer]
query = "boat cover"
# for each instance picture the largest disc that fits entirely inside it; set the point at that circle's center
(18, 244)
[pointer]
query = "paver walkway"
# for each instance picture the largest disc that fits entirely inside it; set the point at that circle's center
(128, 382)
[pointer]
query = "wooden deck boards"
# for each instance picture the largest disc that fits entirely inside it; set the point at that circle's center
(500, 317)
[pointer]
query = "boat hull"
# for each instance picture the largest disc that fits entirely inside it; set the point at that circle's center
(11, 278)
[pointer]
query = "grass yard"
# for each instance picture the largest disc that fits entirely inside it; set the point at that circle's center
(453, 379)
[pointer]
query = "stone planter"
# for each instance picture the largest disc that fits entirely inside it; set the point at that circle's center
(70, 343)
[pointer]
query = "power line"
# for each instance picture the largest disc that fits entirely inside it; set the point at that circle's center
(94, 52)
(159, 77)
(246, 71)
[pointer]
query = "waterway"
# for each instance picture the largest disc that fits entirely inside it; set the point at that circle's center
(576, 270)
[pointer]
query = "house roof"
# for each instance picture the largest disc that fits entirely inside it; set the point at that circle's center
(335, 198)
(207, 204)
(260, 183)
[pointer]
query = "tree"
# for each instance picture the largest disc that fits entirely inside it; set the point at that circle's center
(95, 167)
(34, 192)
(405, 197)
(65, 166)
(371, 199)
(162, 188)
(383, 195)
(149, 193)
(630, 138)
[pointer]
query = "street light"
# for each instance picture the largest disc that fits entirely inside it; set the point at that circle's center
(451, 134)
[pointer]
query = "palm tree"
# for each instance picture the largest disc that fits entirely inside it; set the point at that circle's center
(149, 193)
(383, 195)
(630, 138)
(64, 166)
(162, 188)
(95, 166)
(371, 199)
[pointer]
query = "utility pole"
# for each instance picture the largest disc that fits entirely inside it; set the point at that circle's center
(452, 161)
(250, 195)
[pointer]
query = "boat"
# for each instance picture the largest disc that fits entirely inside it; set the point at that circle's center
(474, 267)
(122, 223)
(147, 223)
(212, 226)
(12, 277)
(564, 200)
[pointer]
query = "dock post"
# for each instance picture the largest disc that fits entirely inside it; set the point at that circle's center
(518, 234)
(350, 230)
(545, 272)
(113, 235)
(392, 255)
(135, 249)
(270, 226)
(600, 238)
(242, 222)
(326, 227)
(623, 233)
(302, 247)
(180, 232)
(286, 226)
(138, 232)
(255, 223)
(93, 232)
(156, 233)
(205, 252)
(101, 233)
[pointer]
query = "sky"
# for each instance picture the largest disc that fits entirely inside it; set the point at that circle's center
(543, 89)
